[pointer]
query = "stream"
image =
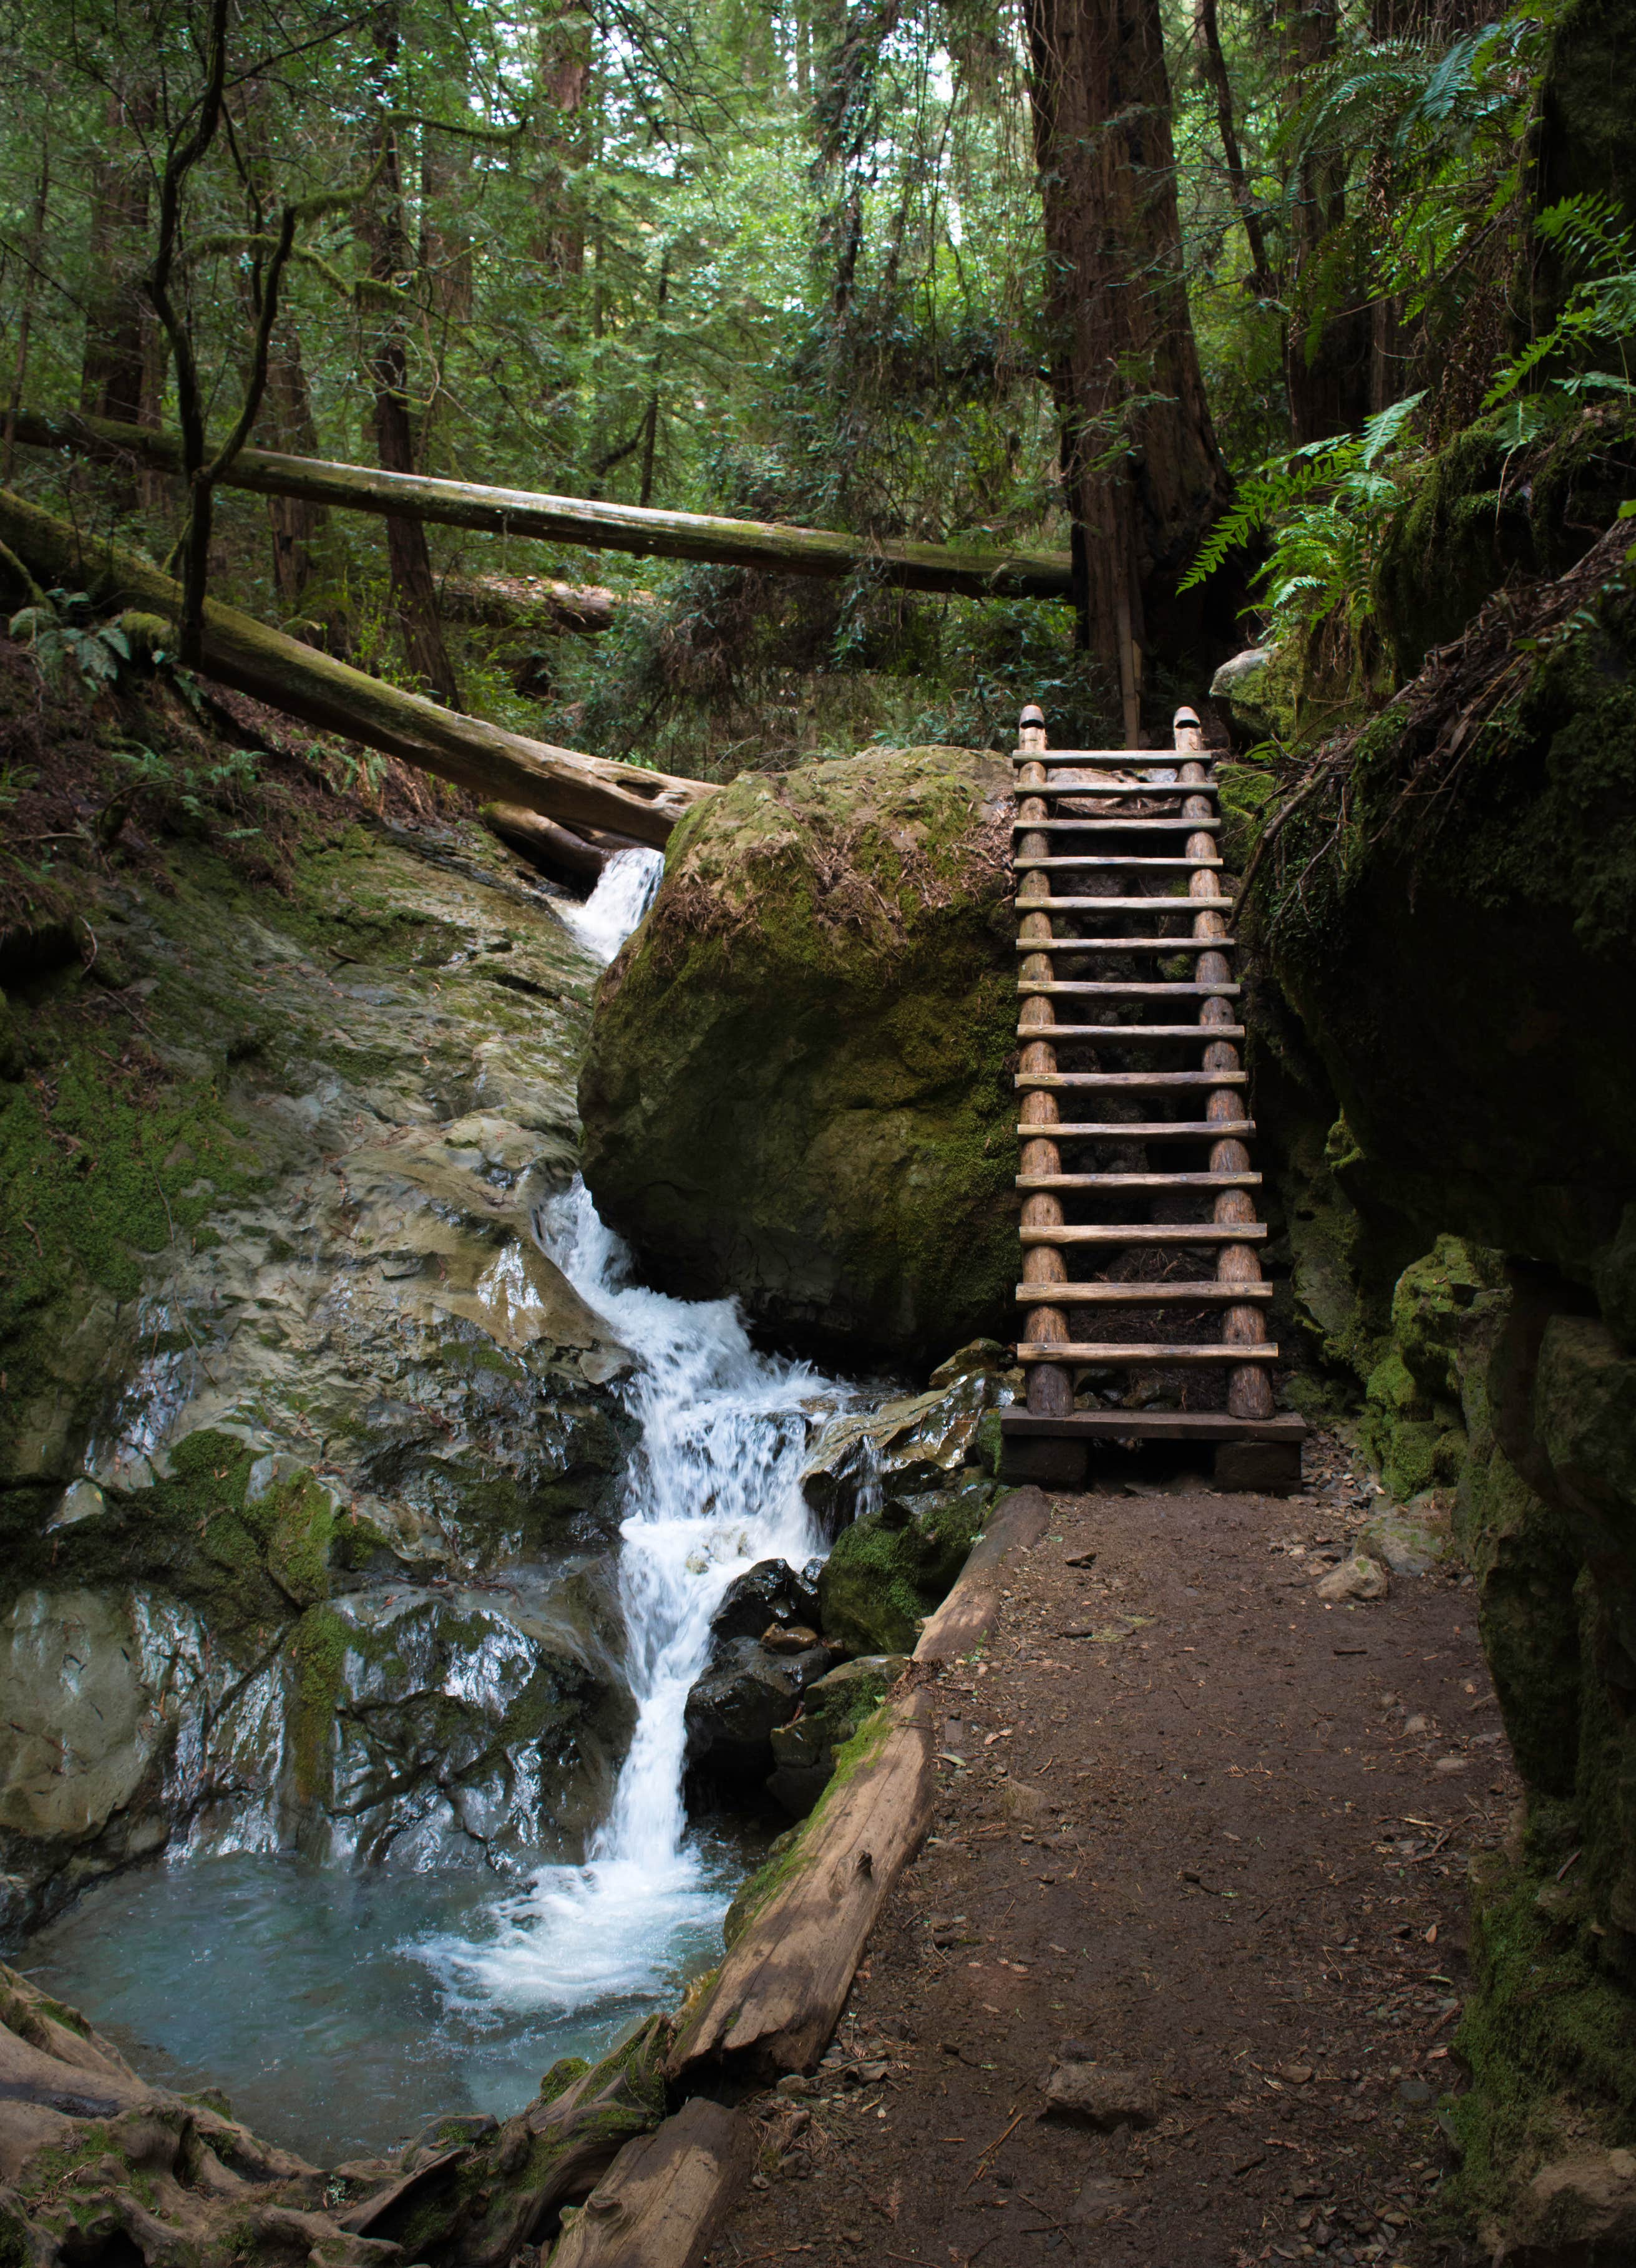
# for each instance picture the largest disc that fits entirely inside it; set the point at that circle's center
(342, 2011)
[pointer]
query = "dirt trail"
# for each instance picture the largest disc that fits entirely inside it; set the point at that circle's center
(1207, 1832)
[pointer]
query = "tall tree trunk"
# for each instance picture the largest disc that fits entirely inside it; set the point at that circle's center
(298, 528)
(650, 423)
(1213, 63)
(414, 587)
(111, 370)
(1142, 471)
(565, 84)
(25, 314)
(1327, 357)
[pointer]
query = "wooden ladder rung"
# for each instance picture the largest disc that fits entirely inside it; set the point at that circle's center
(1162, 1129)
(1055, 1032)
(1128, 760)
(1139, 1180)
(1137, 863)
(1154, 905)
(1116, 826)
(1089, 988)
(1136, 944)
(1148, 1232)
(1147, 1351)
(1133, 1082)
(1139, 1295)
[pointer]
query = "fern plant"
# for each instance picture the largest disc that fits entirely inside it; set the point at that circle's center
(1326, 509)
(59, 635)
(1588, 234)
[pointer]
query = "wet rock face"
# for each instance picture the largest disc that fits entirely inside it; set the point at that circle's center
(262, 1440)
(918, 1442)
(797, 1087)
(764, 1653)
(832, 1711)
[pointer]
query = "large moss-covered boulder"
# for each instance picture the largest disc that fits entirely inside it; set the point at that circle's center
(798, 1083)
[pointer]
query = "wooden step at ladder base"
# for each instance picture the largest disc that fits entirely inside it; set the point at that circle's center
(1135, 820)
(1159, 1294)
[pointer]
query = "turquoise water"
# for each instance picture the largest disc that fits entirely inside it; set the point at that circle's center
(320, 2001)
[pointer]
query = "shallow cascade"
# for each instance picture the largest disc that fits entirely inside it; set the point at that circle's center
(344, 2010)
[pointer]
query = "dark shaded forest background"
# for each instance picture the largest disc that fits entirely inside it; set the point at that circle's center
(1068, 274)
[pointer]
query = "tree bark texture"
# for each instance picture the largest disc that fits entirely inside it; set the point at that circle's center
(414, 587)
(1329, 341)
(591, 524)
(582, 790)
(1143, 474)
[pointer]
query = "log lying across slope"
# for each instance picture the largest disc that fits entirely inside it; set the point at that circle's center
(592, 525)
(300, 681)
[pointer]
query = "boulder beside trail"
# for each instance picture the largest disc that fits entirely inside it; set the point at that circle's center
(797, 1089)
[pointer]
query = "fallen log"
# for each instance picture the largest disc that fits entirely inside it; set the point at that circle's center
(528, 604)
(781, 1989)
(665, 2196)
(542, 840)
(772, 546)
(299, 680)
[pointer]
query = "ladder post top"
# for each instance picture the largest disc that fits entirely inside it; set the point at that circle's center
(1184, 717)
(1032, 715)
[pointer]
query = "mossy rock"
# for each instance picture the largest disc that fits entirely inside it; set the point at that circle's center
(1483, 511)
(890, 1569)
(798, 1083)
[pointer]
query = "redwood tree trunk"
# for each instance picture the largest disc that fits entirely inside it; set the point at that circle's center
(1141, 468)
(414, 587)
(1328, 356)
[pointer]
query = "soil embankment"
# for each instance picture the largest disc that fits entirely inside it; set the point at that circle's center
(1207, 1833)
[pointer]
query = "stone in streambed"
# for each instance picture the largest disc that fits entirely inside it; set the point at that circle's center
(798, 1084)
(771, 1593)
(735, 1708)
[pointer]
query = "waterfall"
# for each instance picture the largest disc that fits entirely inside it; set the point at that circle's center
(712, 1488)
(623, 893)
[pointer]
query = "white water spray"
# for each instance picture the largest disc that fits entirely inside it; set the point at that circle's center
(714, 1487)
(623, 893)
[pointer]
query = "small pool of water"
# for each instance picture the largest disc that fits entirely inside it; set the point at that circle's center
(323, 2003)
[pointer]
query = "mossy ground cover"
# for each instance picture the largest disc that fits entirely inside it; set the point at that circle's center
(1548, 2038)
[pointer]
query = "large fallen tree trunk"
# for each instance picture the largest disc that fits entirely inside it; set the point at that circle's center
(592, 526)
(297, 679)
(531, 605)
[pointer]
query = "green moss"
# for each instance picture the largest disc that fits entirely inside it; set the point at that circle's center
(803, 1060)
(1549, 2037)
(562, 2076)
(1481, 510)
(887, 1571)
(1247, 793)
(97, 1173)
(791, 1851)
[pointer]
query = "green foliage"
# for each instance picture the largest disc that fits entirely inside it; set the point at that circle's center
(1600, 309)
(1326, 508)
(61, 635)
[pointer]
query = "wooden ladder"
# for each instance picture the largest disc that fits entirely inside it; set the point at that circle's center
(1104, 840)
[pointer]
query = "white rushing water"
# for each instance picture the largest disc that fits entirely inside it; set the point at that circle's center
(623, 893)
(713, 1488)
